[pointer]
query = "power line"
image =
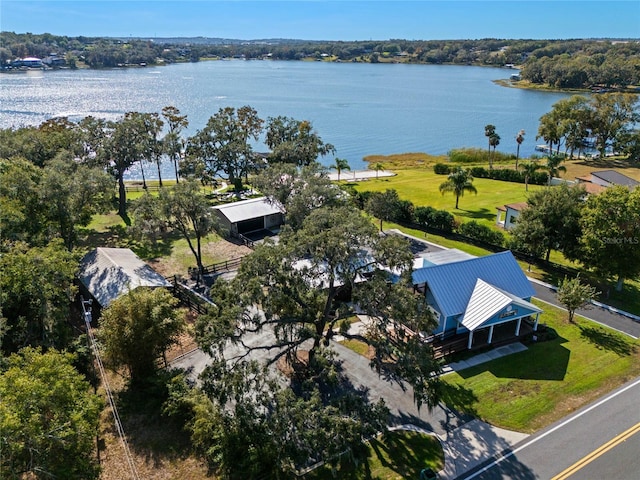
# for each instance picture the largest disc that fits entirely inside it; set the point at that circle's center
(86, 308)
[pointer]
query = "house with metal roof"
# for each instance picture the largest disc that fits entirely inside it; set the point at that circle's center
(477, 294)
(248, 216)
(609, 178)
(108, 273)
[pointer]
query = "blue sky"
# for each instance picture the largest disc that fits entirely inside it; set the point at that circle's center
(327, 19)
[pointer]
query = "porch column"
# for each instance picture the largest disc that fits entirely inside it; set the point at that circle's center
(490, 334)
(535, 325)
(470, 342)
(518, 326)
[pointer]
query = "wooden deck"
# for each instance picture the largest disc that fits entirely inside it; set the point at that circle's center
(502, 335)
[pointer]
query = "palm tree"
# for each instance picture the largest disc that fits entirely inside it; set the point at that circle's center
(528, 169)
(553, 166)
(494, 141)
(458, 182)
(377, 167)
(341, 164)
(519, 140)
(488, 131)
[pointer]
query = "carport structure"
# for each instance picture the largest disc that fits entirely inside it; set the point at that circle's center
(246, 216)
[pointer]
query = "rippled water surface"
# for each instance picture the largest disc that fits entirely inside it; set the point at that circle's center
(360, 108)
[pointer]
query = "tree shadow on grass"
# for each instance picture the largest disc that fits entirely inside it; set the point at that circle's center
(543, 360)
(459, 399)
(402, 452)
(607, 341)
(479, 214)
(118, 236)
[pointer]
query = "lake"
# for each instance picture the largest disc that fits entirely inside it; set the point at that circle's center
(361, 109)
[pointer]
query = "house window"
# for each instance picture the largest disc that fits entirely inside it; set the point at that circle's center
(434, 312)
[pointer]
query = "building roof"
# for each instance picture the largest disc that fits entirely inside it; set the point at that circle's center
(441, 257)
(109, 273)
(616, 178)
(486, 301)
(517, 206)
(452, 284)
(247, 209)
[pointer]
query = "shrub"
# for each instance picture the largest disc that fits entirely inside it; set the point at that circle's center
(404, 212)
(482, 233)
(439, 219)
(441, 169)
(508, 175)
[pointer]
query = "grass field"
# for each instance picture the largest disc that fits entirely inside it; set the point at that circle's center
(394, 456)
(420, 186)
(529, 390)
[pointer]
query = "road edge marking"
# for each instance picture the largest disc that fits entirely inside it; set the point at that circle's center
(552, 430)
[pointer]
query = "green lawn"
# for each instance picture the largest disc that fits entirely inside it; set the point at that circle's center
(171, 255)
(529, 390)
(420, 186)
(396, 455)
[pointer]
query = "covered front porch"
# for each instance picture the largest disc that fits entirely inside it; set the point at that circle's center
(503, 334)
(492, 310)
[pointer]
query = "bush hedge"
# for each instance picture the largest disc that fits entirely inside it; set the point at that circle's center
(434, 218)
(441, 169)
(508, 175)
(482, 233)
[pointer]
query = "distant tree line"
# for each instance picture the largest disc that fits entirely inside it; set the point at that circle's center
(556, 63)
(584, 64)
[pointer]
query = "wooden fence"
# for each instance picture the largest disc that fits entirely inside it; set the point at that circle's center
(225, 266)
(191, 299)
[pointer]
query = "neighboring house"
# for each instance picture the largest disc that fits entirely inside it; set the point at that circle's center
(28, 62)
(476, 295)
(249, 216)
(54, 60)
(511, 213)
(608, 178)
(108, 273)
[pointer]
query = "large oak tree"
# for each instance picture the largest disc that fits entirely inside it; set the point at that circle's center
(304, 289)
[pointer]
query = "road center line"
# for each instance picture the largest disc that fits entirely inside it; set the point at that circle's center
(587, 459)
(549, 432)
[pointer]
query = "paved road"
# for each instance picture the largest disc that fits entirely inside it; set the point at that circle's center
(621, 462)
(600, 315)
(553, 450)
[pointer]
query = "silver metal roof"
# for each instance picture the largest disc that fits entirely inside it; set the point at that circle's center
(247, 209)
(441, 257)
(486, 301)
(453, 283)
(616, 178)
(109, 273)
